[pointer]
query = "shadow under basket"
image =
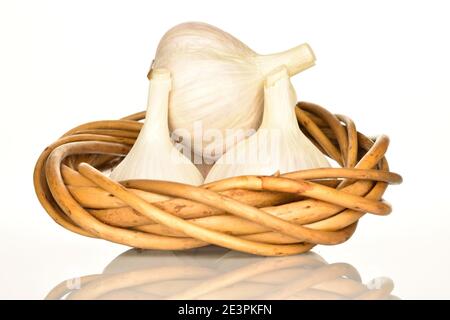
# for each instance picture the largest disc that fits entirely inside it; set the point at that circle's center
(264, 215)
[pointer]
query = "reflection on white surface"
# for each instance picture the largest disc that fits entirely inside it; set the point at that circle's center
(216, 273)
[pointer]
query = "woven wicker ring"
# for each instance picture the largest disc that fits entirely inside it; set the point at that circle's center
(264, 215)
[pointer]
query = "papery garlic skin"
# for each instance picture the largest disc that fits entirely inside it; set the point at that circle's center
(279, 146)
(153, 155)
(218, 82)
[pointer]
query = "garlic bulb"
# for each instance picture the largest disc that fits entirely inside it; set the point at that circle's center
(279, 145)
(218, 84)
(153, 156)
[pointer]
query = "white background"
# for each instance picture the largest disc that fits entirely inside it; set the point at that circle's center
(384, 63)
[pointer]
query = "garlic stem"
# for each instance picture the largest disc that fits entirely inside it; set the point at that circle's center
(296, 60)
(157, 102)
(279, 101)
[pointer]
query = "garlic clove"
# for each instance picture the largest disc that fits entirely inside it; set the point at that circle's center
(279, 146)
(218, 84)
(154, 156)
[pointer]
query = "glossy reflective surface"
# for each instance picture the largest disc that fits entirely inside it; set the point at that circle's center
(215, 273)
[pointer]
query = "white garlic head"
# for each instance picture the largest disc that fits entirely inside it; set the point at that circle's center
(278, 146)
(153, 155)
(218, 84)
